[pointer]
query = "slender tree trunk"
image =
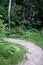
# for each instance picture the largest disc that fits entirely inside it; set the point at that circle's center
(9, 8)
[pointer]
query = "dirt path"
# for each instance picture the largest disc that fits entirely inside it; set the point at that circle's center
(34, 53)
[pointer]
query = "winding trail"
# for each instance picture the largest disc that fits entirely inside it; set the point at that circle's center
(34, 53)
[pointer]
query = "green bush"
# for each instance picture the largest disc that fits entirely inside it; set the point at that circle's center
(2, 28)
(11, 54)
(18, 30)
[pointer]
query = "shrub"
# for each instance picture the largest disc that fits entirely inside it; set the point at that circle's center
(11, 54)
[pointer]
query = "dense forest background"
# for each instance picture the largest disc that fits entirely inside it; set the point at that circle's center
(27, 14)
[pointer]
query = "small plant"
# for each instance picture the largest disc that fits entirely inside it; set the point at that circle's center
(11, 54)
(2, 28)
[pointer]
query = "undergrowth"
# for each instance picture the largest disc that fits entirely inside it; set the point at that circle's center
(11, 54)
(33, 35)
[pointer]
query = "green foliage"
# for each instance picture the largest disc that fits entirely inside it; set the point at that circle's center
(2, 61)
(28, 14)
(41, 32)
(2, 28)
(16, 14)
(17, 31)
(11, 54)
(28, 11)
(32, 35)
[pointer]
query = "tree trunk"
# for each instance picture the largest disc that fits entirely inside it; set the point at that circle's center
(9, 8)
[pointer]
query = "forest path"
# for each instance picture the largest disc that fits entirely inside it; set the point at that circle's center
(34, 53)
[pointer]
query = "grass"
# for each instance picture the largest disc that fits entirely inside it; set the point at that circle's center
(11, 54)
(34, 36)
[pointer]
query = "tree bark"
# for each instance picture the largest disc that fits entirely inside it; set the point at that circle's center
(9, 9)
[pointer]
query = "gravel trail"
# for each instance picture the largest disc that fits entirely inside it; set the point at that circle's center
(34, 53)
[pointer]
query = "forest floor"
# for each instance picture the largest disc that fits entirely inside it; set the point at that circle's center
(34, 55)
